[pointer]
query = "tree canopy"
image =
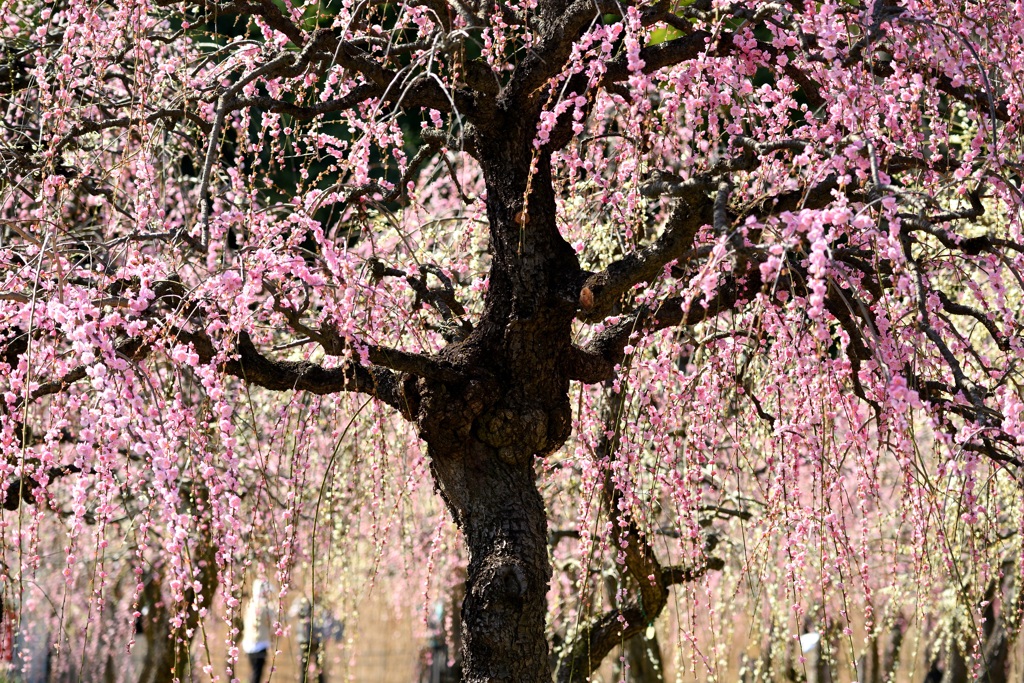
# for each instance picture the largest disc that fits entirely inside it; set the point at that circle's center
(723, 294)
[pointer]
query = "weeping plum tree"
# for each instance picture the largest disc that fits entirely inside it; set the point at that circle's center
(789, 231)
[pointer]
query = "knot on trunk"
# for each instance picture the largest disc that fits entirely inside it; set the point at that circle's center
(501, 584)
(519, 434)
(446, 414)
(516, 434)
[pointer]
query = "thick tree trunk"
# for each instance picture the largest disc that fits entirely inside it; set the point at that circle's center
(502, 517)
(483, 448)
(485, 433)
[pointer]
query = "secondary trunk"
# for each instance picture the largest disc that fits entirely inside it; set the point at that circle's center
(168, 650)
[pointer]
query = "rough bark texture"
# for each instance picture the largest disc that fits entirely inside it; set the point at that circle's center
(485, 432)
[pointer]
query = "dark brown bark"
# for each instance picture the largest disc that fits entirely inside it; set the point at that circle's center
(867, 663)
(956, 665)
(485, 431)
(502, 517)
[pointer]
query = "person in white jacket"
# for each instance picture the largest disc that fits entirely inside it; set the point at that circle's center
(256, 628)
